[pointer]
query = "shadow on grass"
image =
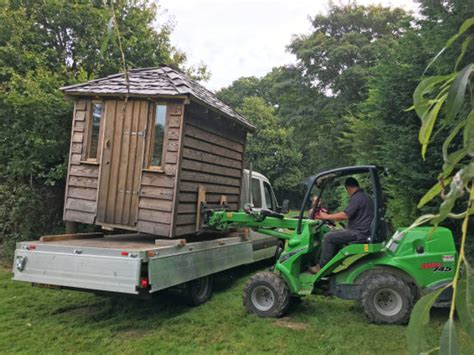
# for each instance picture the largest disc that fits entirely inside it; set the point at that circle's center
(128, 314)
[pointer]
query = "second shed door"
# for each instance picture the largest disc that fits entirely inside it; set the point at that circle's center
(122, 162)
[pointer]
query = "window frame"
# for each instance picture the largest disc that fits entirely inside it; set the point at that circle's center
(259, 189)
(88, 132)
(272, 202)
(151, 138)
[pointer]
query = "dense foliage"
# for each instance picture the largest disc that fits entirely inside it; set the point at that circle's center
(447, 100)
(346, 99)
(45, 45)
(344, 102)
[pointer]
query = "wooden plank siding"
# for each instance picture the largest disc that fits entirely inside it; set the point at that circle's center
(122, 162)
(200, 148)
(157, 200)
(80, 203)
(212, 156)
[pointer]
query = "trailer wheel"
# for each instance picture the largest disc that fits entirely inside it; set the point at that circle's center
(267, 295)
(387, 299)
(198, 291)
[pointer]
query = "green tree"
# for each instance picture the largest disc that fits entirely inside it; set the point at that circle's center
(270, 148)
(381, 131)
(344, 44)
(43, 46)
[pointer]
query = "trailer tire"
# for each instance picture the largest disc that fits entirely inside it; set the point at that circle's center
(198, 291)
(267, 295)
(387, 299)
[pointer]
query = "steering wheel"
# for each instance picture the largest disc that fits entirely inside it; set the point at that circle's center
(328, 222)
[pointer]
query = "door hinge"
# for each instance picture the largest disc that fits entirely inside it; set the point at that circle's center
(139, 133)
(133, 192)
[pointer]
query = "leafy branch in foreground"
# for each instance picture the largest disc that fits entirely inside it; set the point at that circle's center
(450, 100)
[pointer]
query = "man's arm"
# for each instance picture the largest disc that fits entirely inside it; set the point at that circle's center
(339, 216)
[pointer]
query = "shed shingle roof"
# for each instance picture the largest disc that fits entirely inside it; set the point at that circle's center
(155, 82)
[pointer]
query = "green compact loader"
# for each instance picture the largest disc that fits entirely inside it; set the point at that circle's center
(387, 275)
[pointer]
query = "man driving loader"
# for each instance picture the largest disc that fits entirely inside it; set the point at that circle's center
(359, 212)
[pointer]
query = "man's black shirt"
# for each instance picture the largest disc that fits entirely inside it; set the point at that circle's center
(361, 213)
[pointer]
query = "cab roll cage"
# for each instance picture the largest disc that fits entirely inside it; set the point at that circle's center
(379, 230)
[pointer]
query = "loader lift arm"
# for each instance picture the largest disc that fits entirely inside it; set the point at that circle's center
(262, 221)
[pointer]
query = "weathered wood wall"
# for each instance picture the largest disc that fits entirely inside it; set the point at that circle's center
(158, 188)
(121, 162)
(82, 179)
(212, 156)
(200, 148)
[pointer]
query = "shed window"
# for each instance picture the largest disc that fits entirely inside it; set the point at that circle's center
(94, 128)
(158, 136)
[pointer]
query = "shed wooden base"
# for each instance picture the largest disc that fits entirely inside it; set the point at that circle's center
(54, 238)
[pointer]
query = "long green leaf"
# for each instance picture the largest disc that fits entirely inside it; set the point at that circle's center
(452, 160)
(465, 299)
(419, 319)
(464, 46)
(464, 27)
(433, 192)
(425, 87)
(458, 91)
(450, 138)
(427, 124)
(468, 134)
(449, 343)
(456, 190)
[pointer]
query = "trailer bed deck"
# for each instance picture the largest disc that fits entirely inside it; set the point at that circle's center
(118, 263)
(128, 241)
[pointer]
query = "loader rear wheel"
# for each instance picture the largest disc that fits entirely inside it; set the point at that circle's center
(387, 299)
(267, 295)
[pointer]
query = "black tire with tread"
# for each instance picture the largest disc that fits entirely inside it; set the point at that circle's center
(279, 289)
(198, 291)
(386, 281)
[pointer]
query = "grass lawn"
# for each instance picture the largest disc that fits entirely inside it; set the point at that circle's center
(43, 320)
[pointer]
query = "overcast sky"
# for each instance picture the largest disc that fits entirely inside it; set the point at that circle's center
(237, 38)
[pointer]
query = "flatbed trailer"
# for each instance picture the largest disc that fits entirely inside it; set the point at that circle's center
(140, 264)
(133, 264)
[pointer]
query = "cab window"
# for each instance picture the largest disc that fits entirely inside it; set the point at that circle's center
(256, 193)
(268, 196)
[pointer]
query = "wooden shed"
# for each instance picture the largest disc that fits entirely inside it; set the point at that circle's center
(140, 154)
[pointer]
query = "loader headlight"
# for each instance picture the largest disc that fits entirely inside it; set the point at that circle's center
(20, 262)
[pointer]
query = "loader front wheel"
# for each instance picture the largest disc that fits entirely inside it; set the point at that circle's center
(387, 299)
(267, 295)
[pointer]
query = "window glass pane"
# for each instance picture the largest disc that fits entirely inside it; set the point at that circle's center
(268, 196)
(157, 145)
(256, 193)
(95, 127)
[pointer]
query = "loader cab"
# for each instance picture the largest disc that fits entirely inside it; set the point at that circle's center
(262, 197)
(322, 181)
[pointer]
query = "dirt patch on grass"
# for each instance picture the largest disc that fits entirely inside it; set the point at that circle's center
(288, 323)
(6, 268)
(131, 333)
(80, 309)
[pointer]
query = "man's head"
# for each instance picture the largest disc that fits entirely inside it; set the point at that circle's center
(351, 185)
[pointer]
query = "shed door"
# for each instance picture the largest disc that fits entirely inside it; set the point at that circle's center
(122, 162)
